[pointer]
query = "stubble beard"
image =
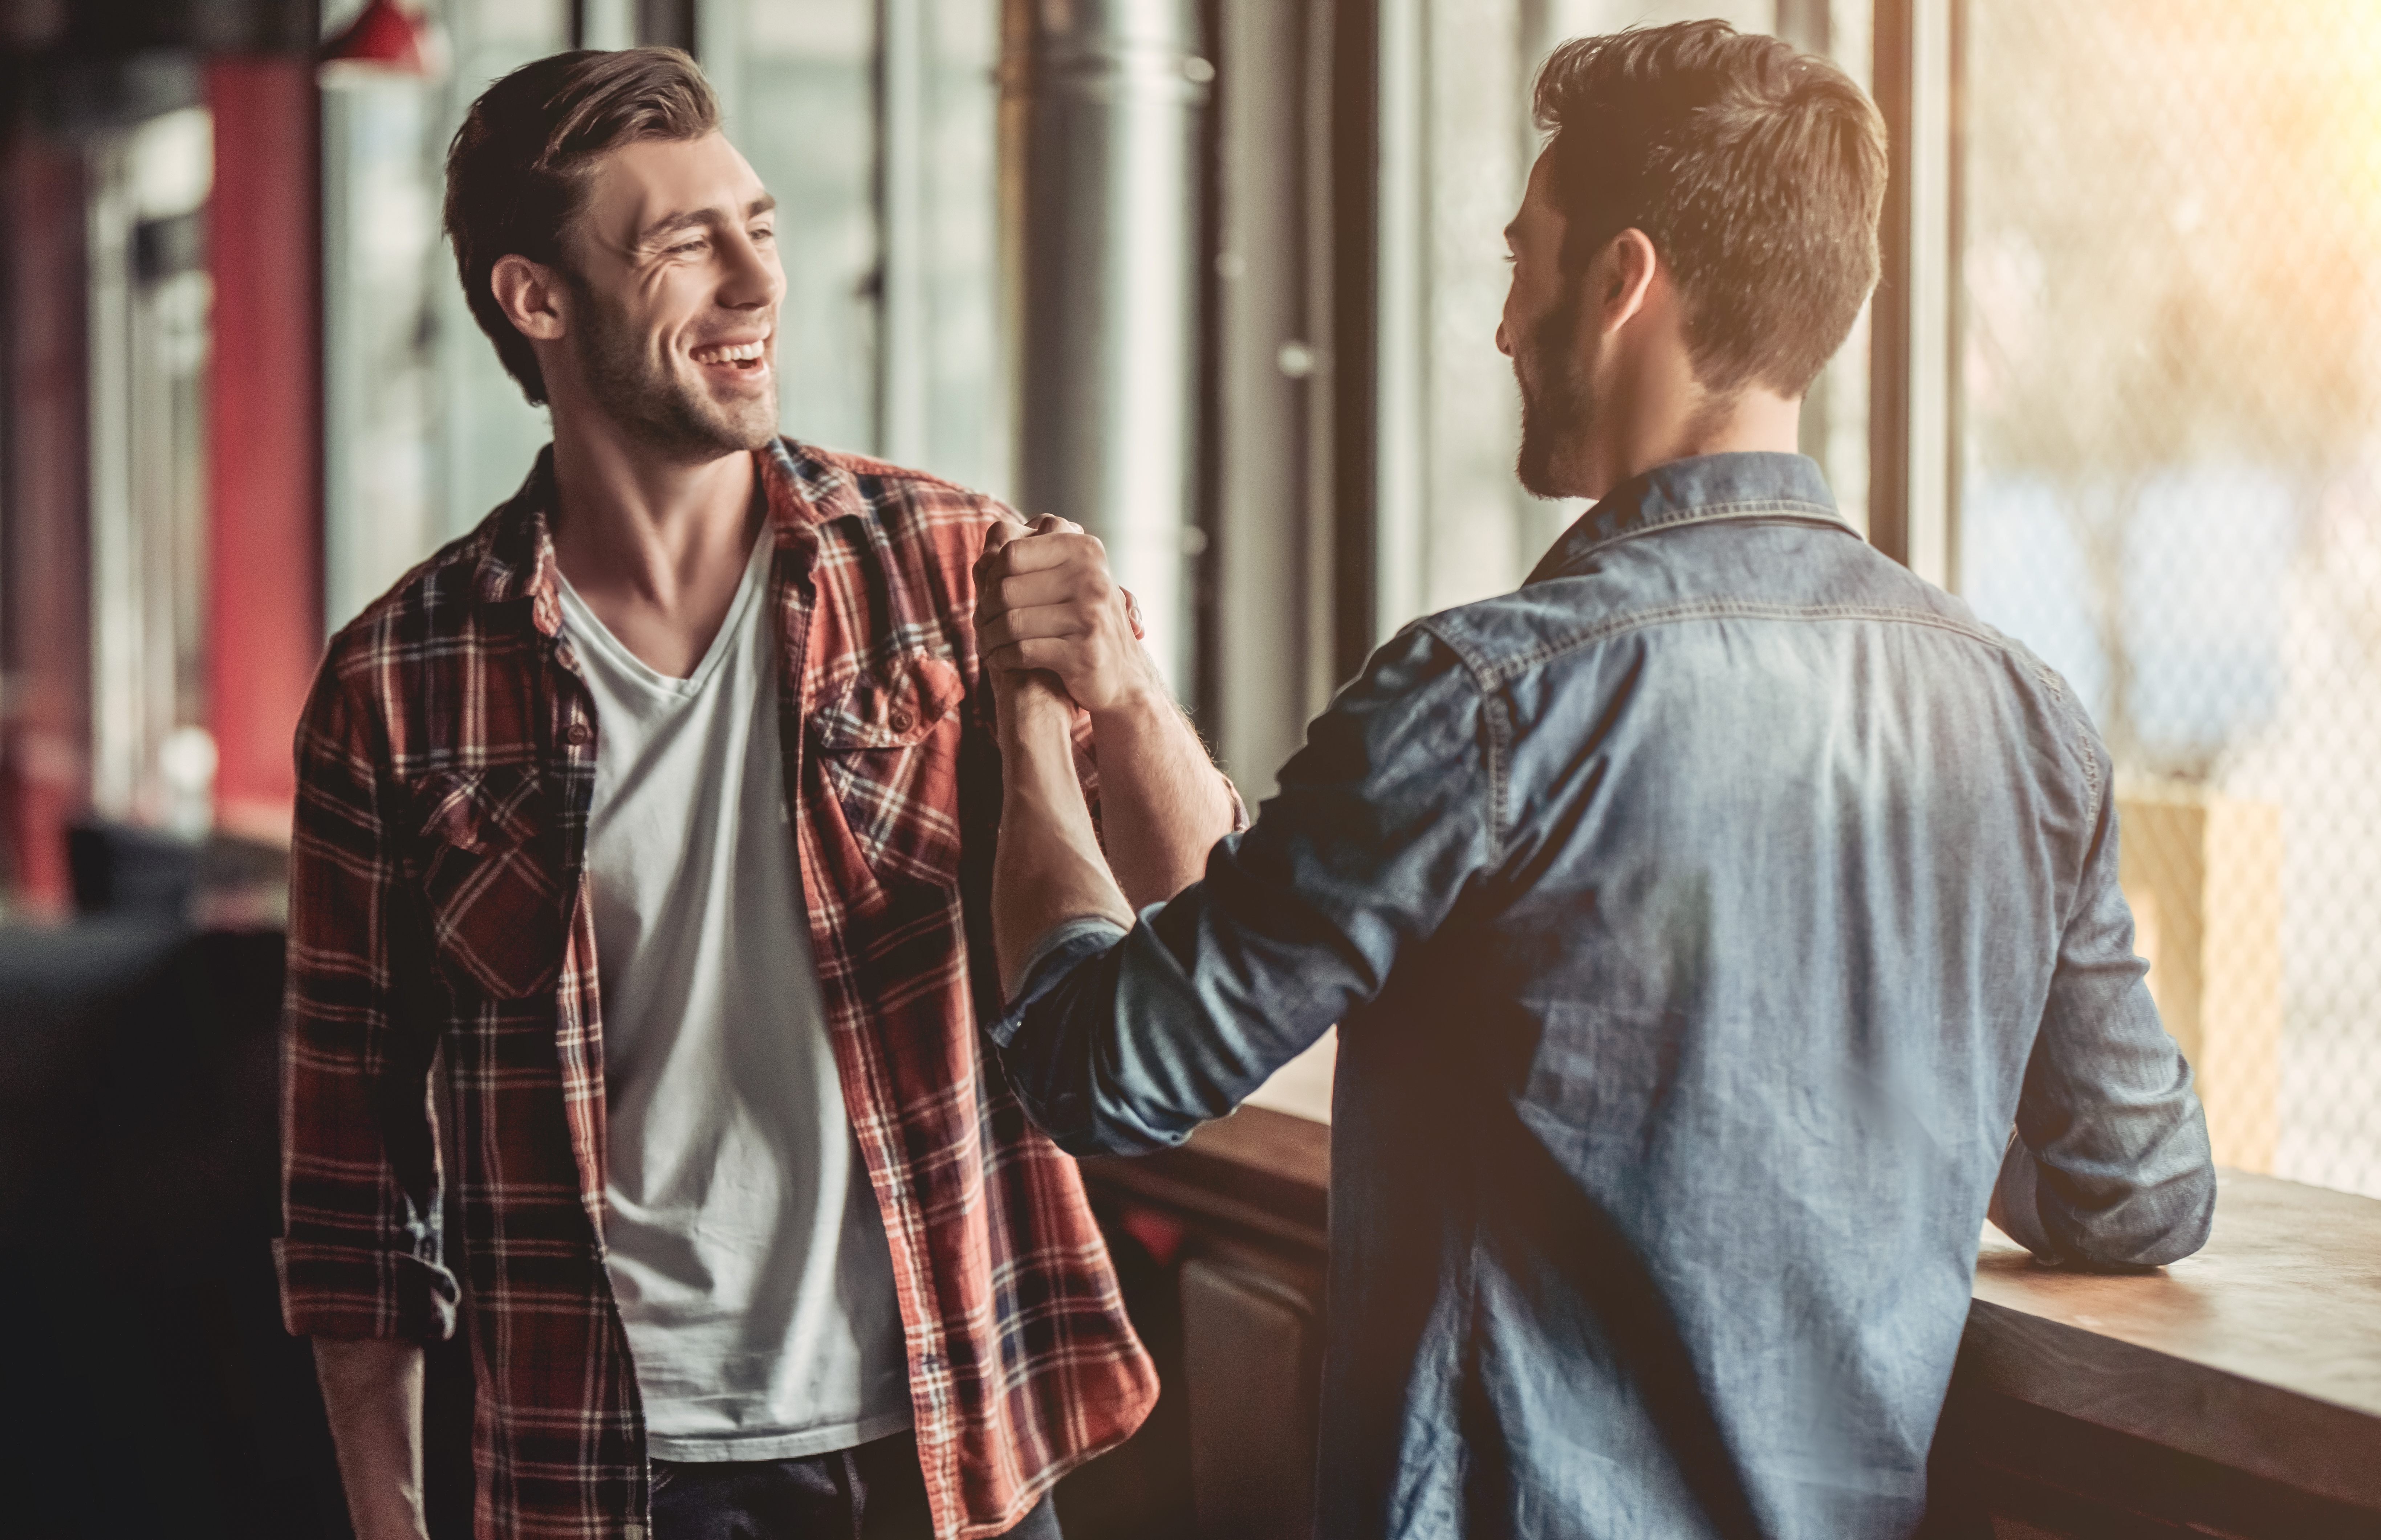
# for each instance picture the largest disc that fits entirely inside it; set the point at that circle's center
(1557, 408)
(660, 410)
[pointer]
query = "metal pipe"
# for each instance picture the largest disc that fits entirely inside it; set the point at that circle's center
(1101, 109)
(902, 345)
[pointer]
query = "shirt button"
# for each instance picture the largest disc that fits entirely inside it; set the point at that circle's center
(579, 734)
(900, 721)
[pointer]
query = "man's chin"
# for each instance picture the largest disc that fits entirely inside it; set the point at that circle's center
(708, 428)
(740, 419)
(755, 430)
(1538, 469)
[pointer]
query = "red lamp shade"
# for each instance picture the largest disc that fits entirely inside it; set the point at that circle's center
(383, 36)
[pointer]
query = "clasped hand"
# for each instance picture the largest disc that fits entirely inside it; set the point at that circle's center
(1047, 601)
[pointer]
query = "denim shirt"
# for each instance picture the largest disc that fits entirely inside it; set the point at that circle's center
(1699, 919)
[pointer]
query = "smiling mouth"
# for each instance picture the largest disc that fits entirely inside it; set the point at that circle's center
(741, 355)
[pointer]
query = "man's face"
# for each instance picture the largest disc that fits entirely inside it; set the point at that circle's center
(1540, 334)
(675, 283)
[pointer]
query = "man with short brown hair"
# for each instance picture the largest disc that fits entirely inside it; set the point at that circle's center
(1698, 919)
(658, 810)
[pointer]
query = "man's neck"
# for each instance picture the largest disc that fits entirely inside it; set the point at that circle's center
(654, 544)
(1754, 421)
(1672, 416)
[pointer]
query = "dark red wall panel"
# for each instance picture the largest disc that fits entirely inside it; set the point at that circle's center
(264, 436)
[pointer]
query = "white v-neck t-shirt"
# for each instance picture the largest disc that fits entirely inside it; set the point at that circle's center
(746, 1250)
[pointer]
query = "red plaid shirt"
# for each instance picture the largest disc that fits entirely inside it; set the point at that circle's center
(446, 762)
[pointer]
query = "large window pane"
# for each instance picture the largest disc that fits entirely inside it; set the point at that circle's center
(797, 83)
(2171, 486)
(966, 433)
(424, 433)
(488, 433)
(872, 121)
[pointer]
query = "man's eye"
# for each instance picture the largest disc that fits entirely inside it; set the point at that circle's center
(685, 249)
(764, 234)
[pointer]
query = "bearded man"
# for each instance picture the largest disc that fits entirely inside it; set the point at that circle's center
(658, 810)
(1699, 918)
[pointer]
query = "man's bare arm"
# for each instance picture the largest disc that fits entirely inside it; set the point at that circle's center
(1162, 802)
(1047, 601)
(372, 1388)
(1046, 869)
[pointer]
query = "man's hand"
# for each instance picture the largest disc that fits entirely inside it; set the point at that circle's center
(1047, 867)
(1047, 609)
(1046, 601)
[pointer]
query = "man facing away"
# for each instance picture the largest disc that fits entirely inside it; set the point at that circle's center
(1700, 918)
(658, 807)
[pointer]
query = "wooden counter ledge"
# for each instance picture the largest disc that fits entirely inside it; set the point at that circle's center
(2237, 1393)
(2260, 1355)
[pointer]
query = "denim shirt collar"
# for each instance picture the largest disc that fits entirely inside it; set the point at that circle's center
(1750, 484)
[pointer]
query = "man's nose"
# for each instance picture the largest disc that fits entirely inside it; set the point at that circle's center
(1503, 345)
(753, 281)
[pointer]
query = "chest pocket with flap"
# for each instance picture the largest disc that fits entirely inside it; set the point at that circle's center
(489, 877)
(888, 749)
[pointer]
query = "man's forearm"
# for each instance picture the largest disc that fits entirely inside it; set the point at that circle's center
(1162, 802)
(1048, 609)
(1048, 868)
(372, 1388)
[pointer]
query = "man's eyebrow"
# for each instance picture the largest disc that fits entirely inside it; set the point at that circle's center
(670, 224)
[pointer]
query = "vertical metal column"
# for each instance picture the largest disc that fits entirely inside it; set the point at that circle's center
(1910, 352)
(1806, 25)
(667, 24)
(1274, 383)
(1101, 110)
(1355, 87)
(117, 609)
(901, 341)
(1401, 474)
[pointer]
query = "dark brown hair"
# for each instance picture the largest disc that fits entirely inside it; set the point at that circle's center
(1755, 170)
(516, 172)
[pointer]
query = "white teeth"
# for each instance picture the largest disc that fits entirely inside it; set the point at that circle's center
(738, 353)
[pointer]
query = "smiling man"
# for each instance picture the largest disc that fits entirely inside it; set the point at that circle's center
(659, 810)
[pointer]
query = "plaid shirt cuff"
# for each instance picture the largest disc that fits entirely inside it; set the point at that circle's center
(346, 1292)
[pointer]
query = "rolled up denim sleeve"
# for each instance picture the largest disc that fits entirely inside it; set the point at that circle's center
(2110, 1165)
(1121, 1043)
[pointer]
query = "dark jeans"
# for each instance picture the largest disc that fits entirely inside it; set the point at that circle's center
(871, 1493)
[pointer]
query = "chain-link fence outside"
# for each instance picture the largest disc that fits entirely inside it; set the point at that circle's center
(2170, 430)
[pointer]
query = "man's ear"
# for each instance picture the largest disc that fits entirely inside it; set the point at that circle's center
(1622, 276)
(531, 296)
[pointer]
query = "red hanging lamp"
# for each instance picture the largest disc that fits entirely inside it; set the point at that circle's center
(386, 38)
